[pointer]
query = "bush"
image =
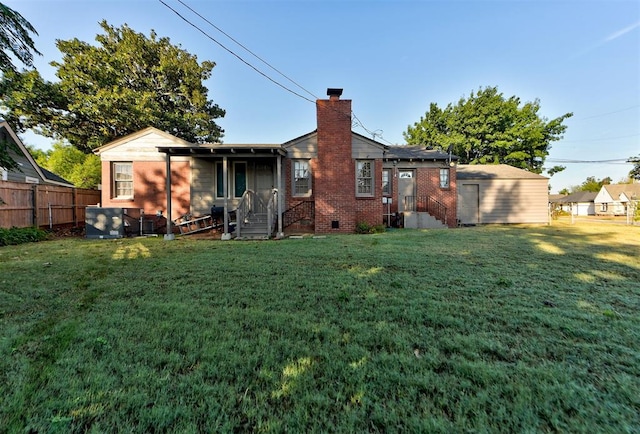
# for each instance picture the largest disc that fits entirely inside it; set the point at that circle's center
(366, 228)
(15, 236)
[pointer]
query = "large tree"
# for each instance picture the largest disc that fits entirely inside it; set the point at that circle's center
(487, 128)
(82, 170)
(15, 39)
(126, 82)
(635, 172)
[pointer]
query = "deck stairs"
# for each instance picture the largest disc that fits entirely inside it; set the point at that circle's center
(255, 219)
(254, 227)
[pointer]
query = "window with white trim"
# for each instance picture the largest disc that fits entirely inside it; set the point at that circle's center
(386, 181)
(301, 178)
(122, 180)
(364, 178)
(444, 178)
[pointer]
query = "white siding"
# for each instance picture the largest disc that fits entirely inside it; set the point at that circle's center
(203, 183)
(305, 147)
(364, 149)
(508, 200)
(142, 148)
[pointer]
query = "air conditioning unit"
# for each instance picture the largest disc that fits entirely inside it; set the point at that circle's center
(104, 222)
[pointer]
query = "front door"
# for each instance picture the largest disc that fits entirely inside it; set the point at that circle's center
(264, 181)
(468, 204)
(406, 190)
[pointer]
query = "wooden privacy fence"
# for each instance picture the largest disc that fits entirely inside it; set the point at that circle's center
(25, 205)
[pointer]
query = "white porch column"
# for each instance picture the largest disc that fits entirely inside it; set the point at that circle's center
(169, 235)
(225, 188)
(280, 195)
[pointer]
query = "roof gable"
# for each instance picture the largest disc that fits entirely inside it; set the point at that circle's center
(44, 175)
(147, 133)
(621, 192)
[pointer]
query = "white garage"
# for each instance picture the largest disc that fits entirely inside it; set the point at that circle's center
(490, 194)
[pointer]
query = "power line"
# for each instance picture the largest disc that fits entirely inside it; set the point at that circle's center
(570, 161)
(233, 53)
(599, 140)
(245, 48)
(359, 122)
(608, 113)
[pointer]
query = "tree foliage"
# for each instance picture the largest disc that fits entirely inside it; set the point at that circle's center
(591, 184)
(488, 128)
(15, 39)
(555, 169)
(635, 172)
(125, 83)
(82, 170)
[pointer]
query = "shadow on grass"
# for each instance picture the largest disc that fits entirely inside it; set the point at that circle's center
(487, 329)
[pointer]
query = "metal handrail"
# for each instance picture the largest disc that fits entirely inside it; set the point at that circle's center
(272, 211)
(427, 204)
(247, 206)
(298, 212)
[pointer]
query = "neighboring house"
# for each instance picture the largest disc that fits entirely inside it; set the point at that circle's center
(501, 194)
(614, 199)
(580, 203)
(555, 201)
(28, 171)
(327, 181)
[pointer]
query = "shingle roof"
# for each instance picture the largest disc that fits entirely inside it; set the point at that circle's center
(416, 153)
(579, 196)
(629, 190)
(494, 171)
(53, 177)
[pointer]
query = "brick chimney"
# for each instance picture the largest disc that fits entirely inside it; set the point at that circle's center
(334, 174)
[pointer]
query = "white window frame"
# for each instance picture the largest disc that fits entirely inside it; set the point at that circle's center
(115, 181)
(365, 179)
(295, 172)
(445, 178)
(386, 173)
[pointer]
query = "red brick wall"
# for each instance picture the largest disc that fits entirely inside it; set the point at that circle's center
(334, 174)
(428, 184)
(149, 185)
(370, 209)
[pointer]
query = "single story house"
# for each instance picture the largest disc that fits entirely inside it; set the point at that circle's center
(326, 181)
(614, 199)
(489, 194)
(580, 203)
(28, 170)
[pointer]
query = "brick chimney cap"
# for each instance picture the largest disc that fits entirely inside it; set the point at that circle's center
(334, 92)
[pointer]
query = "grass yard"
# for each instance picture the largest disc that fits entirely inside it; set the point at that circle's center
(496, 329)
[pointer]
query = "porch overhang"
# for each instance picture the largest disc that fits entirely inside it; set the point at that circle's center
(224, 151)
(219, 150)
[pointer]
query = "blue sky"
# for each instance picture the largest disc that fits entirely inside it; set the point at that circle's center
(393, 58)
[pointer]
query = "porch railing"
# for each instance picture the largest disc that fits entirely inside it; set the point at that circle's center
(249, 207)
(426, 204)
(272, 212)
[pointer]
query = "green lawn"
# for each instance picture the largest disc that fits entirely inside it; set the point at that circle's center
(497, 329)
